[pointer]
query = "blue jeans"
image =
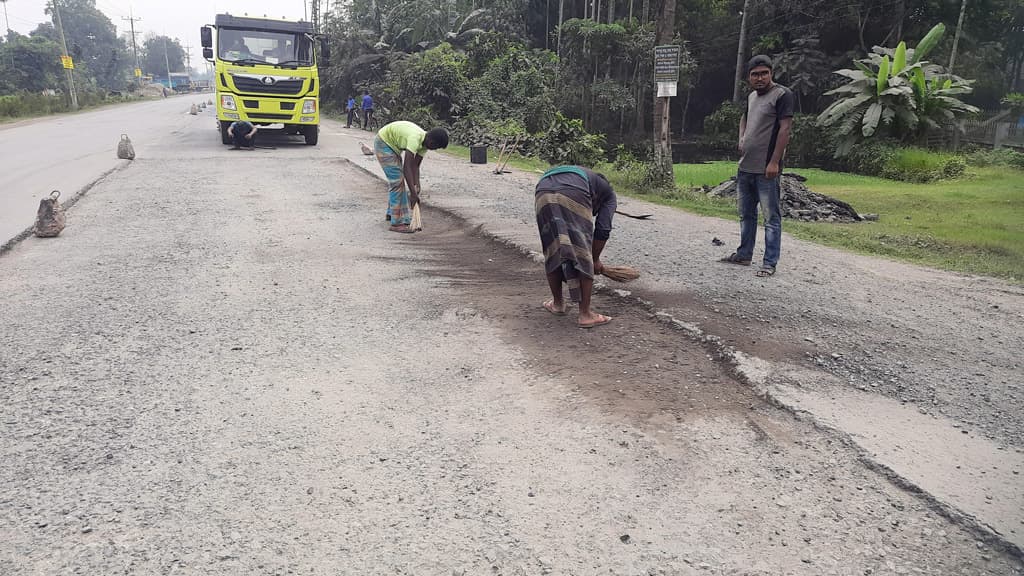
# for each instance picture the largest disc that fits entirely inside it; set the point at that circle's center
(754, 189)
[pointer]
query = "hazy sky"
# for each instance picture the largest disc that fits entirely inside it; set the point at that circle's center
(176, 18)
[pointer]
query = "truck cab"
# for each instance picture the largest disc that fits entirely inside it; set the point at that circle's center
(265, 72)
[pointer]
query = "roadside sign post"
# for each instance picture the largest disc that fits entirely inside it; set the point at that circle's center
(666, 76)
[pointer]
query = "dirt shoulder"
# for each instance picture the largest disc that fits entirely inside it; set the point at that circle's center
(855, 342)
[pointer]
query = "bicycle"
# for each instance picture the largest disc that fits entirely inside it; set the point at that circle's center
(370, 121)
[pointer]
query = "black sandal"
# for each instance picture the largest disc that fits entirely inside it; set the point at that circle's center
(735, 259)
(765, 272)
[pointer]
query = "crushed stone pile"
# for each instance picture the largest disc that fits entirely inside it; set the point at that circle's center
(798, 201)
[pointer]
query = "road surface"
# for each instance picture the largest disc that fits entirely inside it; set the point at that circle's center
(69, 151)
(227, 365)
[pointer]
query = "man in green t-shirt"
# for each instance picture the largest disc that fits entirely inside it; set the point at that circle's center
(404, 174)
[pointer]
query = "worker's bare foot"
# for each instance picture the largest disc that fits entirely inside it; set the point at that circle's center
(592, 319)
(556, 309)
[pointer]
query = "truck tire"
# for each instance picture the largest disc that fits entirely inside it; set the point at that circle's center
(224, 138)
(312, 134)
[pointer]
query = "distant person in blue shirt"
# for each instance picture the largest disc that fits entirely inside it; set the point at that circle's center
(350, 107)
(367, 109)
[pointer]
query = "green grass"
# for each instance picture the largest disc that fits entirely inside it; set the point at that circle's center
(973, 224)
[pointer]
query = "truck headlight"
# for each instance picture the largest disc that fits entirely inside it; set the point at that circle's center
(227, 102)
(309, 107)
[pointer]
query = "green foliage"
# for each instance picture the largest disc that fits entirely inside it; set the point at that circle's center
(517, 85)
(433, 79)
(905, 101)
(725, 121)
(918, 165)
(152, 51)
(1014, 101)
(1002, 157)
(568, 142)
(29, 64)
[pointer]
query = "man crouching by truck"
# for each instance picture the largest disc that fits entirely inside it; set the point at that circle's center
(404, 175)
(243, 134)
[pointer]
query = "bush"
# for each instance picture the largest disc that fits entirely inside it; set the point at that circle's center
(724, 121)
(1001, 157)
(568, 142)
(919, 165)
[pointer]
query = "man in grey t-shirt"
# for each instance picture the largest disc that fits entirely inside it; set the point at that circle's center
(764, 134)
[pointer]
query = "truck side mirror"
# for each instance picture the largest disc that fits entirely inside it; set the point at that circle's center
(325, 53)
(208, 53)
(206, 34)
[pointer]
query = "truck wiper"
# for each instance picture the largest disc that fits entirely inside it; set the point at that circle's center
(247, 61)
(292, 63)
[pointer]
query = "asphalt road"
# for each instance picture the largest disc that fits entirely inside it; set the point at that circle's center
(227, 365)
(69, 151)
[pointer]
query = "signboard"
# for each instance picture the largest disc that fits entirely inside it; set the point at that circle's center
(138, 72)
(667, 89)
(666, 63)
(68, 63)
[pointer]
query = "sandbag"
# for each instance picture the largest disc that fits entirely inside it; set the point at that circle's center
(125, 150)
(50, 217)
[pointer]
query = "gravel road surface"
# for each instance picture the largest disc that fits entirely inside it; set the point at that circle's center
(69, 151)
(226, 365)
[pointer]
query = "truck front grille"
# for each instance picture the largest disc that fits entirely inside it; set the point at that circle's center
(265, 116)
(254, 86)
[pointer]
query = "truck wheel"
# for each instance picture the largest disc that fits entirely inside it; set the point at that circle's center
(224, 138)
(312, 134)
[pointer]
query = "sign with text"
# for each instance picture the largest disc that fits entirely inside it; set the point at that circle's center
(666, 63)
(68, 63)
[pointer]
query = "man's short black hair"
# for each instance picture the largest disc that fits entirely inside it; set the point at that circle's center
(759, 60)
(437, 137)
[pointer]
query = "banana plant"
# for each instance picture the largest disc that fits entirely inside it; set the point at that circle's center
(896, 91)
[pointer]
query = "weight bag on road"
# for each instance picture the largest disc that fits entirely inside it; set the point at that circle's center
(50, 217)
(125, 150)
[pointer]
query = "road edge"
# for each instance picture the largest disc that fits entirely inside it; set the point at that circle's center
(742, 367)
(18, 238)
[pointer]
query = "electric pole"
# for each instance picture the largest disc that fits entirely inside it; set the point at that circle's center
(167, 62)
(135, 49)
(739, 53)
(188, 61)
(314, 15)
(956, 39)
(64, 43)
(7, 23)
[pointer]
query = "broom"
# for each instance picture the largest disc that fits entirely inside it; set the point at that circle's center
(621, 273)
(417, 222)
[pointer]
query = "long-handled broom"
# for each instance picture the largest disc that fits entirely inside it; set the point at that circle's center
(621, 273)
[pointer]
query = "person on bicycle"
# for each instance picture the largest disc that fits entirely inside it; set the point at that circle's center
(367, 109)
(350, 107)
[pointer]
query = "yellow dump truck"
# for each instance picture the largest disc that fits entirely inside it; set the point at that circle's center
(266, 72)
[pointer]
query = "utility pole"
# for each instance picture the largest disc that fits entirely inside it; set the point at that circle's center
(64, 43)
(740, 50)
(314, 15)
(7, 23)
(167, 62)
(956, 38)
(135, 49)
(188, 61)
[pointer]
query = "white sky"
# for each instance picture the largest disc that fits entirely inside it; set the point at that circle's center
(176, 18)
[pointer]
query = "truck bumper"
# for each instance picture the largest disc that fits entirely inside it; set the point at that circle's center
(263, 110)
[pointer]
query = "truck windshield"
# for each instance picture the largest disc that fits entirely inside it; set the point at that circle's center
(263, 47)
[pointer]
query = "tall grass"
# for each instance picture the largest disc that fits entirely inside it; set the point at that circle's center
(27, 105)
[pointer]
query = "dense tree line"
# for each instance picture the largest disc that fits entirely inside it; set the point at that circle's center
(103, 60)
(492, 63)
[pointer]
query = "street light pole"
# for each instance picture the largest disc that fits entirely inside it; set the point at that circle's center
(64, 43)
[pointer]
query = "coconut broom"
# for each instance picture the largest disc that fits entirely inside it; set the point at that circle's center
(621, 273)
